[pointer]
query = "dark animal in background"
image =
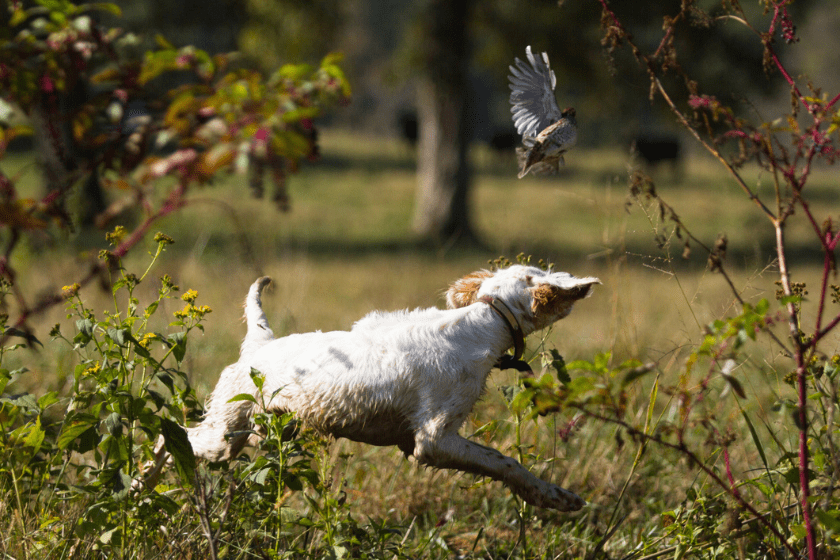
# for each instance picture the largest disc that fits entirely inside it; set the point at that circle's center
(654, 150)
(409, 130)
(503, 141)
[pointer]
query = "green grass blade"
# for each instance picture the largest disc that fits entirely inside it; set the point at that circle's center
(756, 440)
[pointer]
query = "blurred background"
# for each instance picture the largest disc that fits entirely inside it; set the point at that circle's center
(416, 180)
(440, 69)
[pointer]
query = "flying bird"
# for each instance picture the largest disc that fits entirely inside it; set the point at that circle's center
(547, 133)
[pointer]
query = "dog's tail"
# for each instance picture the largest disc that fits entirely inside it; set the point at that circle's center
(259, 333)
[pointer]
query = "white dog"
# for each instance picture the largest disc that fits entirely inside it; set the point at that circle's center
(405, 378)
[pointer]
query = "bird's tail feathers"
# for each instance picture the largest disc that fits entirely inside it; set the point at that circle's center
(522, 155)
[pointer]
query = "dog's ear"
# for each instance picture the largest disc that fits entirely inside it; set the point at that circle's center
(462, 292)
(551, 301)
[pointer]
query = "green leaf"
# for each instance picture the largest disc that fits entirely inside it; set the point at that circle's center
(179, 340)
(112, 9)
(120, 336)
(85, 326)
(654, 391)
(258, 378)
(118, 284)
(559, 365)
(121, 485)
(142, 352)
(113, 423)
(332, 58)
(48, 400)
(178, 445)
(157, 398)
(35, 437)
(107, 536)
(75, 428)
(85, 334)
(261, 476)
(488, 427)
(243, 397)
(18, 17)
(756, 440)
(636, 373)
(829, 521)
(25, 401)
(735, 384)
(151, 308)
(522, 400)
(300, 113)
(763, 488)
(793, 298)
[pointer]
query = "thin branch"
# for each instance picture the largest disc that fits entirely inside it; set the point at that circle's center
(714, 152)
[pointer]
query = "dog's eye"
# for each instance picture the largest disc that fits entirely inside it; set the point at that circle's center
(529, 280)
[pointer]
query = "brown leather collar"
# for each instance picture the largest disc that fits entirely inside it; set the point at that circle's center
(506, 361)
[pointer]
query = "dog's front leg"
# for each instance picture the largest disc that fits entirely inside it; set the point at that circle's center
(451, 451)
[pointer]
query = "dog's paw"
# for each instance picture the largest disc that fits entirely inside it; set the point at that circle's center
(138, 485)
(552, 497)
(564, 500)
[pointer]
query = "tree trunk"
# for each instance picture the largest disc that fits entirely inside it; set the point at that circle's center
(441, 212)
(63, 163)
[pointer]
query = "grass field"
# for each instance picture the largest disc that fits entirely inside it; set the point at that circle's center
(346, 248)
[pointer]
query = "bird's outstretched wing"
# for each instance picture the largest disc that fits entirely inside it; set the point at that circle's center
(532, 100)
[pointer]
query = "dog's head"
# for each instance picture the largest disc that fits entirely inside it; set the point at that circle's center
(537, 297)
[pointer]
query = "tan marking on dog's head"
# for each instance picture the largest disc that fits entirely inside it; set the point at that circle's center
(551, 301)
(462, 292)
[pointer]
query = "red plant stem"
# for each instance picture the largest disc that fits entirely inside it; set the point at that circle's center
(799, 348)
(173, 202)
(805, 491)
(827, 260)
(778, 62)
(612, 15)
(664, 40)
(816, 227)
(787, 77)
(733, 487)
(828, 328)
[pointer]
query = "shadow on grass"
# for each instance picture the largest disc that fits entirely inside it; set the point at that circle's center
(371, 164)
(740, 258)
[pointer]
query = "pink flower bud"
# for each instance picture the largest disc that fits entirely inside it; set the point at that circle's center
(46, 84)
